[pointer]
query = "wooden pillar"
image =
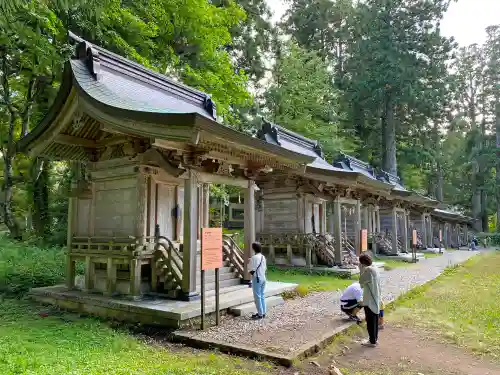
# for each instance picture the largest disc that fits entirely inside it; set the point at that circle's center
(111, 277)
(140, 233)
(190, 243)
(89, 274)
(337, 230)
(394, 230)
(135, 278)
(368, 218)
(141, 219)
(424, 231)
(430, 232)
(301, 214)
(377, 218)
(249, 226)
(178, 220)
(405, 231)
(70, 263)
(357, 225)
(331, 221)
(206, 205)
(322, 217)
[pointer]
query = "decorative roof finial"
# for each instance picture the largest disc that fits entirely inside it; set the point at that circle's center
(209, 106)
(85, 52)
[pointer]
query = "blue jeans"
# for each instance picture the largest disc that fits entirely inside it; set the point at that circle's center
(258, 295)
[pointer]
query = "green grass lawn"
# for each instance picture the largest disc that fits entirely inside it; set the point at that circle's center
(390, 264)
(463, 305)
(69, 345)
(309, 282)
(432, 255)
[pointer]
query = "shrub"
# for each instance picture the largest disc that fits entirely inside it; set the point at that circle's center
(24, 266)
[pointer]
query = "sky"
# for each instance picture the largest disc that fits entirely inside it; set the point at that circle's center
(465, 20)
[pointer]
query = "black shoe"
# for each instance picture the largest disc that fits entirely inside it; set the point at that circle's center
(257, 317)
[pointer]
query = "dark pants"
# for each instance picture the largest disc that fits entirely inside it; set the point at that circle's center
(371, 325)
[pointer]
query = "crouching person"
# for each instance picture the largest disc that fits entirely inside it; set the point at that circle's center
(258, 268)
(350, 301)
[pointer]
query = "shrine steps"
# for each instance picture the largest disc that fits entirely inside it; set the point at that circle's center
(249, 308)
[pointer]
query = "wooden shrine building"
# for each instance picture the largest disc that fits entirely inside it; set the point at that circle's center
(145, 148)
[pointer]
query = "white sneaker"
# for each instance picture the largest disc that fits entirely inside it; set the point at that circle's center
(368, 344)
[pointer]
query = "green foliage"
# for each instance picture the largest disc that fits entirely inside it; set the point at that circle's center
(301, 97)
(66, 344)
(24, 266)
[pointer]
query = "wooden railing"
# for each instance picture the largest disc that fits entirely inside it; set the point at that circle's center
(168, 262)
(384, 242)
(347, 243)
(313, 247)
(233, 254)
(323, 246)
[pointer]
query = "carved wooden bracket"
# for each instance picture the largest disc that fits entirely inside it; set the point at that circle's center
(153, 156)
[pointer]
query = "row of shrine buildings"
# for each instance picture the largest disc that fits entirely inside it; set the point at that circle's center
(145, 150)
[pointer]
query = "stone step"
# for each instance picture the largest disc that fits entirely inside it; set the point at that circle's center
(227, 290)
(211, 278)
(223, 284)
(249, 308)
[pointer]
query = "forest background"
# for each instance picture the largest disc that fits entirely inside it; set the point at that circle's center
(375, 79)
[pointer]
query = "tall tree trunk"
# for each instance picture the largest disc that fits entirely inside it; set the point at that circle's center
(40, 180)
(439, 182)
(484, 211)
(497, 186)
(8, 181)
(476, 190)
(483, 173)
(439, 168)
(389, 136)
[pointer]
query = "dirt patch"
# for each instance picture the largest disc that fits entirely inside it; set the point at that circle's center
(401, 351)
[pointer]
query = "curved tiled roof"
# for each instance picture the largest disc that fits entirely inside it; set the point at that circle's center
(277, 135)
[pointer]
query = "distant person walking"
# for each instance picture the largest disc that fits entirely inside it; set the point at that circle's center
(369, 280)
(258, 268)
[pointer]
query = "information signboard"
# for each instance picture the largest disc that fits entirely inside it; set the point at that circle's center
(211, 259)
(211, 248)
(364, 240)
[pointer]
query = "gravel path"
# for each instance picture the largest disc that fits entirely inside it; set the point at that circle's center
(289, 326)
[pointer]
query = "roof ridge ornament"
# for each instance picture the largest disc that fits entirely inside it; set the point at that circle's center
(318, 149)
(269, 128)
(209, 106)
(86, 52)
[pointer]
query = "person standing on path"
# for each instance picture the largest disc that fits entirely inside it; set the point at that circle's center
(369, 280)
(258, 268)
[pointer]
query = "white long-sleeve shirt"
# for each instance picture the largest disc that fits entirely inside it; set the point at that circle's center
(253, 265)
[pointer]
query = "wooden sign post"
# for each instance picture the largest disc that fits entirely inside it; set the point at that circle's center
(414, 245)
(211, 259)
(364, 240)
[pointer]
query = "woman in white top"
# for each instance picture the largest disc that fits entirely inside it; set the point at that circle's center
(258, 268)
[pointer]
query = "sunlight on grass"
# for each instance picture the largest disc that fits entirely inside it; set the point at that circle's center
(462, 305)
(70, 345)
(310, 282)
